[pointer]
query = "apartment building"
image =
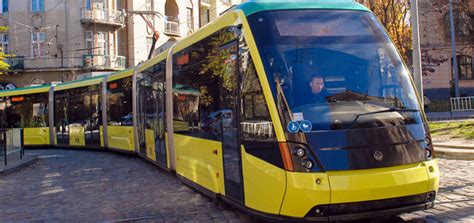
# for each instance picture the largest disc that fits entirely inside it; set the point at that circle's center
(436, 48)
(63, 40)
(59, 40)
(173, 19)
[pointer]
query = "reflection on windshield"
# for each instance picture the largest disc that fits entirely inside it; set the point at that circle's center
(331, 66)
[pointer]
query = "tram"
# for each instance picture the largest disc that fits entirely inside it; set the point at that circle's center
(235, 111)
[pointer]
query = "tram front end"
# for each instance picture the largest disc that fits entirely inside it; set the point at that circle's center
(357, 141)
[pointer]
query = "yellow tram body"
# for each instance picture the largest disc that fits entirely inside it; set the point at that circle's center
(259, 165)
(36, 133)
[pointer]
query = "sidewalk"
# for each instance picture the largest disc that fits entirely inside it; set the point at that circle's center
(15, 163)
(439, 116)
(454, 150)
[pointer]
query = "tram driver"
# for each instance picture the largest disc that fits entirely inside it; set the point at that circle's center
(319, 93)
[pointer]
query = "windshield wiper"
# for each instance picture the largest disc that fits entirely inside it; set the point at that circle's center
(382, 111)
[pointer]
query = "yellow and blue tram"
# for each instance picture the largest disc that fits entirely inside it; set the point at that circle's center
(232, 110)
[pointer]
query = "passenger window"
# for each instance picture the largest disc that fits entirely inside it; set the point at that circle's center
(256, 122)
(197, 86)
(119, 102)
(26, 111)
(258, 135)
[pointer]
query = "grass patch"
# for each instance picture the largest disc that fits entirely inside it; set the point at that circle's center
(458, 130)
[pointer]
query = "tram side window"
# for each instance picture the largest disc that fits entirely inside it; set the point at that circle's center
(3, 113)
(27, 111)
(197, 82)
(151, 95)
(258, 135)
(256, 122)
(83, 106)
(75, 108)
(119, 102)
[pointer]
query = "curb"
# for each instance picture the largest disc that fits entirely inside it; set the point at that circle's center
(447, 146)
(27, 161)
(455, 153)
(433, 119)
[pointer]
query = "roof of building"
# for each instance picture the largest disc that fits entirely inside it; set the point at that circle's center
(253, 6)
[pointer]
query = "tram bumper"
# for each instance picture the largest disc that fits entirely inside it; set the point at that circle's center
(359, 194)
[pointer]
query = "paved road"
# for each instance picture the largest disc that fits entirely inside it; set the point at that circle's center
(455, 200)
(88, 186)
(71, 185)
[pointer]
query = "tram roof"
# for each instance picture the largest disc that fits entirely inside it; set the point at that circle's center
(25, 90)
(253, 6)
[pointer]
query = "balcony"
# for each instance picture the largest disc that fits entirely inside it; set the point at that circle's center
(103, 62)
(16, 63)
(172, 26)
(102, 16)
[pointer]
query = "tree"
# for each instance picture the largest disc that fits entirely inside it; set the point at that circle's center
(3, 65)
(430, 61)
(394, 16)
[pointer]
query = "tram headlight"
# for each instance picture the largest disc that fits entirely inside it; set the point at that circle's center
(428, 140)
(308, 164)
(300, 152)
(428, 153)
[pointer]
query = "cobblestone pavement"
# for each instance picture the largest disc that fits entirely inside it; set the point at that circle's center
(88, 186)
(455, 199)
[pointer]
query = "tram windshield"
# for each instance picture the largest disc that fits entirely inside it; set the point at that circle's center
(337, 69)
(337, 73)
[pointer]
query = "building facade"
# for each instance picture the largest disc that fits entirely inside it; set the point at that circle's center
(173, 19)
(62, 40)
(436, 48)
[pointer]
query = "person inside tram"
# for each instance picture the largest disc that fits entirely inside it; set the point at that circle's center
(319, 93)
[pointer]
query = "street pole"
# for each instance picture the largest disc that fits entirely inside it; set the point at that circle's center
(453, 45)
(417, 72)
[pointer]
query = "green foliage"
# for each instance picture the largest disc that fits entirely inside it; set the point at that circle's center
(216, 57)
(216, 67)
(458, 130)
(394, 16)
(3, 65)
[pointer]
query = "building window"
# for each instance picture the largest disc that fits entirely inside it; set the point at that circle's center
(465, 67)
(4, 6)
(4, 43)
(98, 4)
(190, 19)
(148, 5)
(462, 24)
(37, 5)
(89, 41)
(102, 43)
(38, 47)
(207, 16)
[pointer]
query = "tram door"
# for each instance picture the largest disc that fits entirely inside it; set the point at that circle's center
(151, 114)
(160, 143)
(61, 124)
(91, 102)
(143, 99)
(230, 123)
